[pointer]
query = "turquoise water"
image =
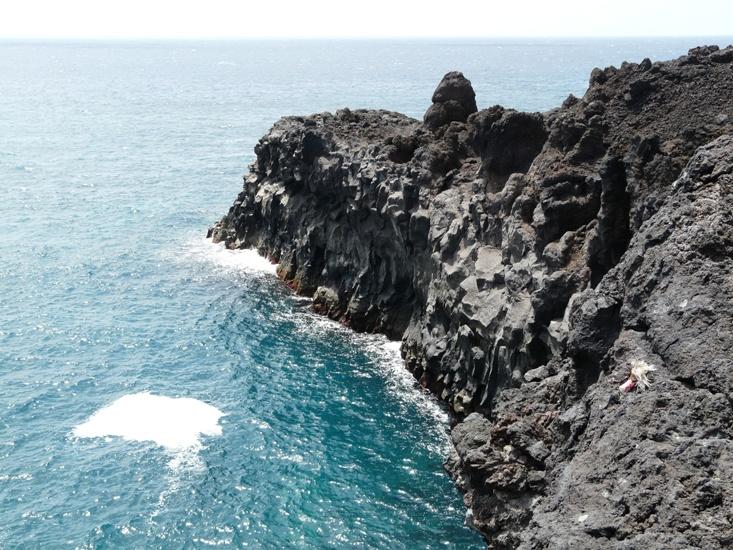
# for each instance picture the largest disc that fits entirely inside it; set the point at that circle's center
(114, 159)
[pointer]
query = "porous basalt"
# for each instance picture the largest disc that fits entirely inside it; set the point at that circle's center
(525, 259)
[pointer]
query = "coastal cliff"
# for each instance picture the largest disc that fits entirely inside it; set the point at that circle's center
(527, 261)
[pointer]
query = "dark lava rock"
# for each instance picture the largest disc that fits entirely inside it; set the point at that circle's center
(453, 100)
(526, 261)
(508, 142)
(602, 469)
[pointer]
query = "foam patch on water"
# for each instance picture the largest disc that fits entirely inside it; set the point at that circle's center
(247, 260)
(175, 423)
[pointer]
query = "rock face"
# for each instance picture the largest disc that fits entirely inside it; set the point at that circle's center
(453, 100)
(526, 260)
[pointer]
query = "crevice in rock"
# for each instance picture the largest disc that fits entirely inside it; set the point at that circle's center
(587, 371)
(612, 232)
(686, 381)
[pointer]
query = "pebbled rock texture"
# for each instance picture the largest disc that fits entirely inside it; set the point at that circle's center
(525, 259)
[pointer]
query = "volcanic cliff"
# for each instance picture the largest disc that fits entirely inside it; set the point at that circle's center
(527, 260)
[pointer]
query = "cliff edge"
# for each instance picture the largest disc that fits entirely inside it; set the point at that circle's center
(528, 261)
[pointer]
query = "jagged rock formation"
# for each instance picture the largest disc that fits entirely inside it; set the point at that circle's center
(580, 467)
(525, 259)
(453, 100)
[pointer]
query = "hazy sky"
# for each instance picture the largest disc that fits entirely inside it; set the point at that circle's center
(365, 18)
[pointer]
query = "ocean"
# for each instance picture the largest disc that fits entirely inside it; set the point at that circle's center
(159, 391)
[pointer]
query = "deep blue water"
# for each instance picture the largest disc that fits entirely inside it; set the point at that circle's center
(114, 159)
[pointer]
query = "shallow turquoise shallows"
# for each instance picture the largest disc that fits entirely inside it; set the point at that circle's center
(114, 159)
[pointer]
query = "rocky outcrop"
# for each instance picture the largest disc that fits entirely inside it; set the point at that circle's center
(565, 464)
(453, 100)
(526, 259)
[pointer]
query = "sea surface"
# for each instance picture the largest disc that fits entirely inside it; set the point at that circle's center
(159, 391)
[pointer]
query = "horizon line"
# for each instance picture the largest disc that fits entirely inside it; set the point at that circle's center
(132, 38)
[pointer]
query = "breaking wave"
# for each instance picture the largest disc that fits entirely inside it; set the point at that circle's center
(204, 250)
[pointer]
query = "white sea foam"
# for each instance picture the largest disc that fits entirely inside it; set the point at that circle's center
(399, 382)
(248, 260)
(175, 423)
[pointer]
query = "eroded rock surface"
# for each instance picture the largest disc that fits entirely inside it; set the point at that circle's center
(453, 101)
(525, 259)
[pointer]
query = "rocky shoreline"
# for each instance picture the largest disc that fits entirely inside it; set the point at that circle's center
(526, 260)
